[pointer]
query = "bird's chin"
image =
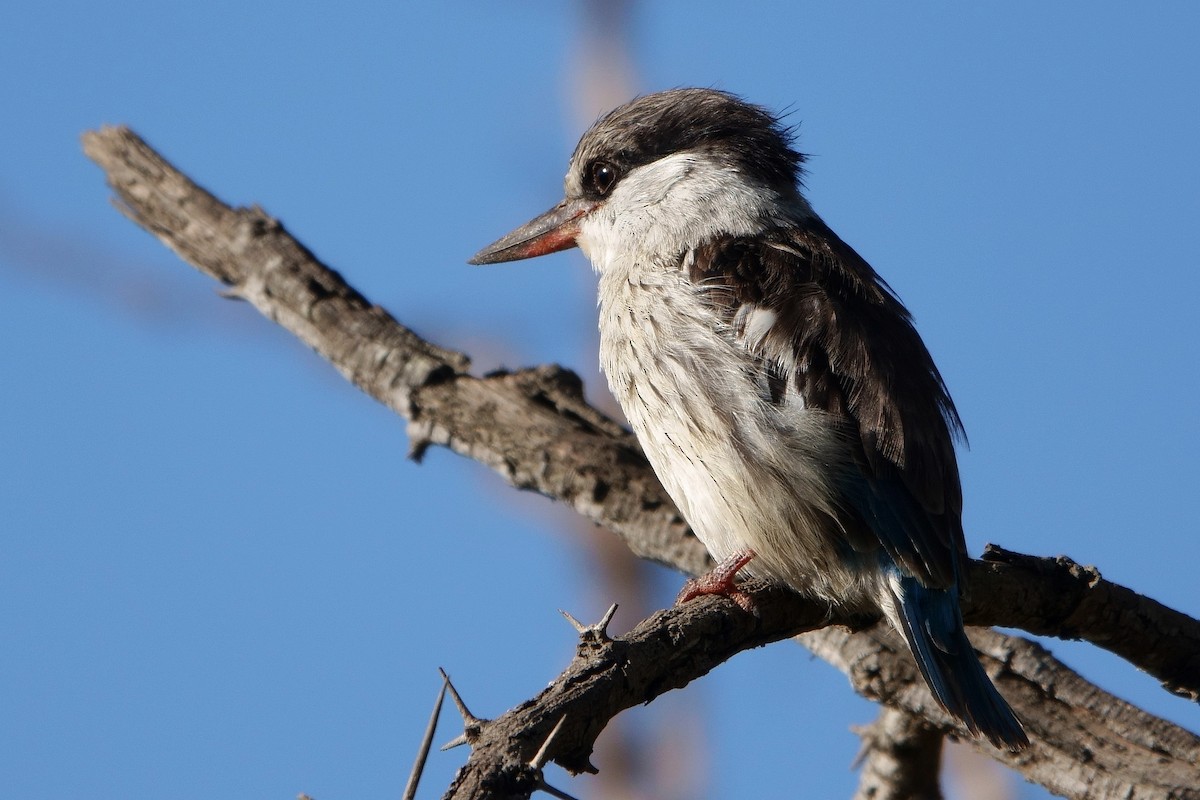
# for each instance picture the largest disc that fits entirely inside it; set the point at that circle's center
(585, 245)
(596, 255)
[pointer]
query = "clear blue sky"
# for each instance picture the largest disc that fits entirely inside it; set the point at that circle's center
(220, 576)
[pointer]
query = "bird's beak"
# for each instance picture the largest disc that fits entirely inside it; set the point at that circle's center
(553, 231)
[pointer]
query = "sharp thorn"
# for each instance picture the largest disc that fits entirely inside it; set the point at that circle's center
(550, 790)
(414, 778)
(457, 741)
(602, 625)
(542, 756)
(468, 717)
(576, 624)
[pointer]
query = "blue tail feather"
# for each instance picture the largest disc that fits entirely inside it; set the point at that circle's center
(932, 625)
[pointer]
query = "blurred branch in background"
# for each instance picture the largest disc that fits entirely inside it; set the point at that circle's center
(77, 264)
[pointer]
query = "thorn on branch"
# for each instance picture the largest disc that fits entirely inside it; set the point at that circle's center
(457, 741)
(472, 725)
(579, 627)
(596, 633)
(542, 756)
(414, 778)
(550, 790)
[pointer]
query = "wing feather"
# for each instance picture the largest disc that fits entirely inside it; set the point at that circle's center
(824, 325)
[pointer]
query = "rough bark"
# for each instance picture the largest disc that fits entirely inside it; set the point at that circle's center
(537, 431)
(900, 758)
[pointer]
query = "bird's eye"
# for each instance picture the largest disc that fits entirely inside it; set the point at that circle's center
(601, 176)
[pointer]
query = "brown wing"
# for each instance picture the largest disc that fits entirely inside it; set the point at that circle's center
(840, 339)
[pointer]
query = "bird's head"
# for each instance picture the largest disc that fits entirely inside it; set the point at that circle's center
(663, 173)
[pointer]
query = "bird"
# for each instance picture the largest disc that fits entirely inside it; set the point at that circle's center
(775, 382)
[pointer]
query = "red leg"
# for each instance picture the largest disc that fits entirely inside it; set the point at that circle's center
(720, 580)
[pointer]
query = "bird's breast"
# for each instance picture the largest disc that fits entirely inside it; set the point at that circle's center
(743, 472)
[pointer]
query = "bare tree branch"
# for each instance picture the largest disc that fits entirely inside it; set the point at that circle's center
(1057, 597)
(1087, 743)
(536, 430)
(901, 756)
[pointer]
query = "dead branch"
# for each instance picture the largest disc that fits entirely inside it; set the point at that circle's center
(901, 756)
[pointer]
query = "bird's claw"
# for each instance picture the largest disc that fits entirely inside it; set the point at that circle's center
(721, 580)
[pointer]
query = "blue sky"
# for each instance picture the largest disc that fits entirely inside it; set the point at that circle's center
(221, 577)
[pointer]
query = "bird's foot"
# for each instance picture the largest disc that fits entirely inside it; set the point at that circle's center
(720, 580)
